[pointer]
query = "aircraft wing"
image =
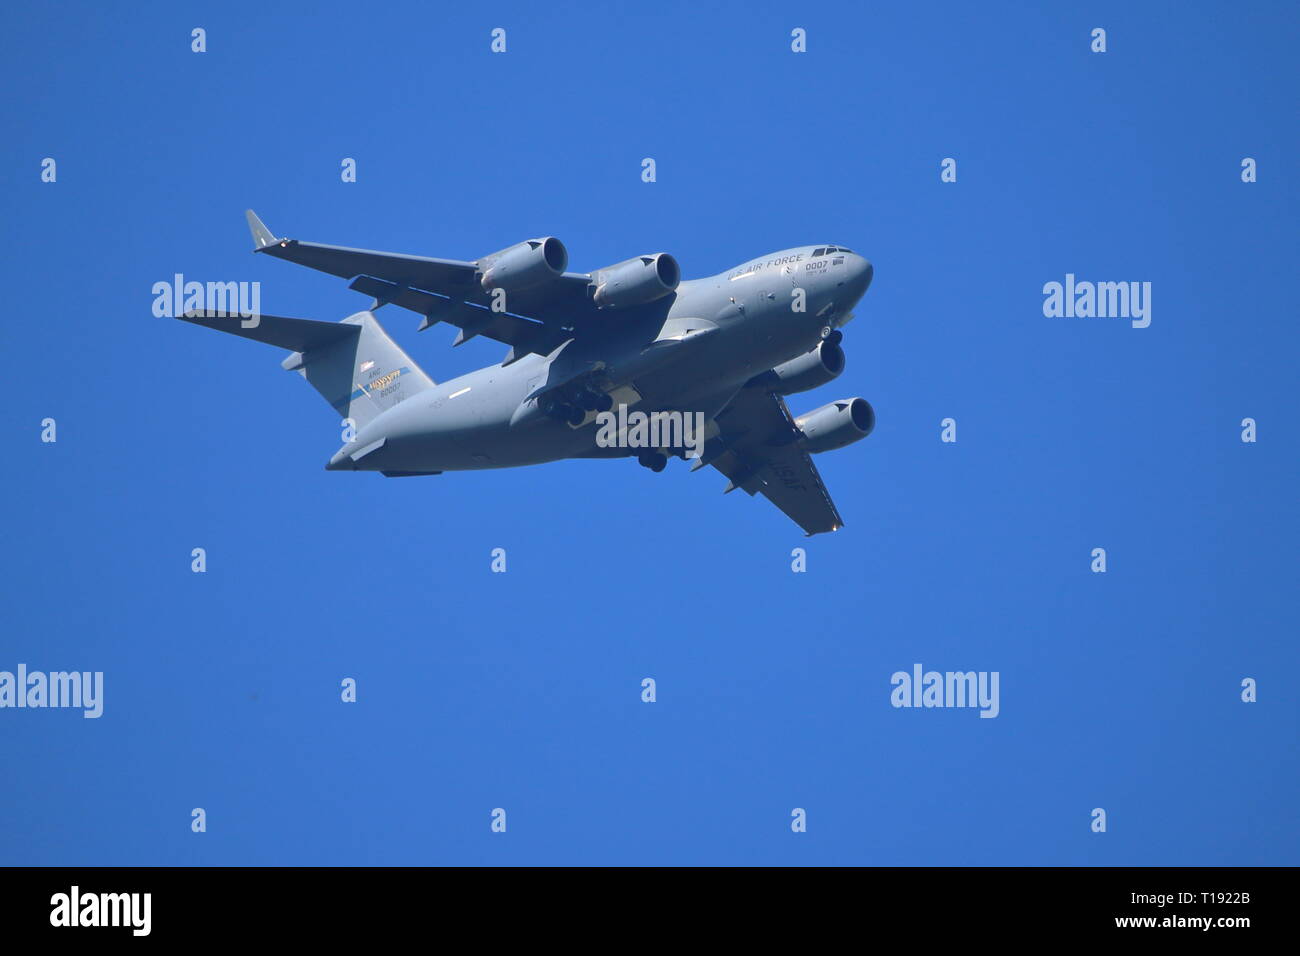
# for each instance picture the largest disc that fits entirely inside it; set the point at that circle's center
(444, 290)
(522, 334)
(757, 448)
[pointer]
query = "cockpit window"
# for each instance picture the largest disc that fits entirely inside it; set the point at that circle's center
(818, 252)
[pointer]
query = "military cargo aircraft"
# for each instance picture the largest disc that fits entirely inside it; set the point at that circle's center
(725, 349)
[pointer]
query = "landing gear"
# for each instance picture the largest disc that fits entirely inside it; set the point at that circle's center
(572, 407)
(595, 401)
(654, 460)
(571, 414)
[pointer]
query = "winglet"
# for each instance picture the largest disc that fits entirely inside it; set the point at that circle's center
(261, 235)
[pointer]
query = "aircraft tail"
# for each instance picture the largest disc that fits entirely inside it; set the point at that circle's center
(354, 364)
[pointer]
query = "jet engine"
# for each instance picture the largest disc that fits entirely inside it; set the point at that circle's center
(836, 425)
(524, 265)
(636, 281)
(811, 369)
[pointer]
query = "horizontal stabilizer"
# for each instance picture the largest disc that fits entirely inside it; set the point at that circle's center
(353, 363)
(296, 335)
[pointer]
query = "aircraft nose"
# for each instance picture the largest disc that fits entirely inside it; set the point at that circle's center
(859, 277)
(864, 270)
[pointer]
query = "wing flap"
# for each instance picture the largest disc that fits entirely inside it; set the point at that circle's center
(523, 335)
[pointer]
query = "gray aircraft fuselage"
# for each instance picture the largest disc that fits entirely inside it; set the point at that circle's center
(689, 351)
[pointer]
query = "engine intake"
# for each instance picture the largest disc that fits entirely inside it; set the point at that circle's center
(636, 281)
(836, 425)
(524, 265)
(808, 371)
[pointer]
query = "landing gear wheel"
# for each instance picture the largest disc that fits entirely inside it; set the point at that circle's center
(595, 401)
(570, 414)
(655, 461)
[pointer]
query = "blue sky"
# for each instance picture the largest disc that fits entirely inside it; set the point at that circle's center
(522, 690)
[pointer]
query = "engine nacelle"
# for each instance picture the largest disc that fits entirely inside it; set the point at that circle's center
(636, 281)
(836, 425)
(524, 265)
(811, 369)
